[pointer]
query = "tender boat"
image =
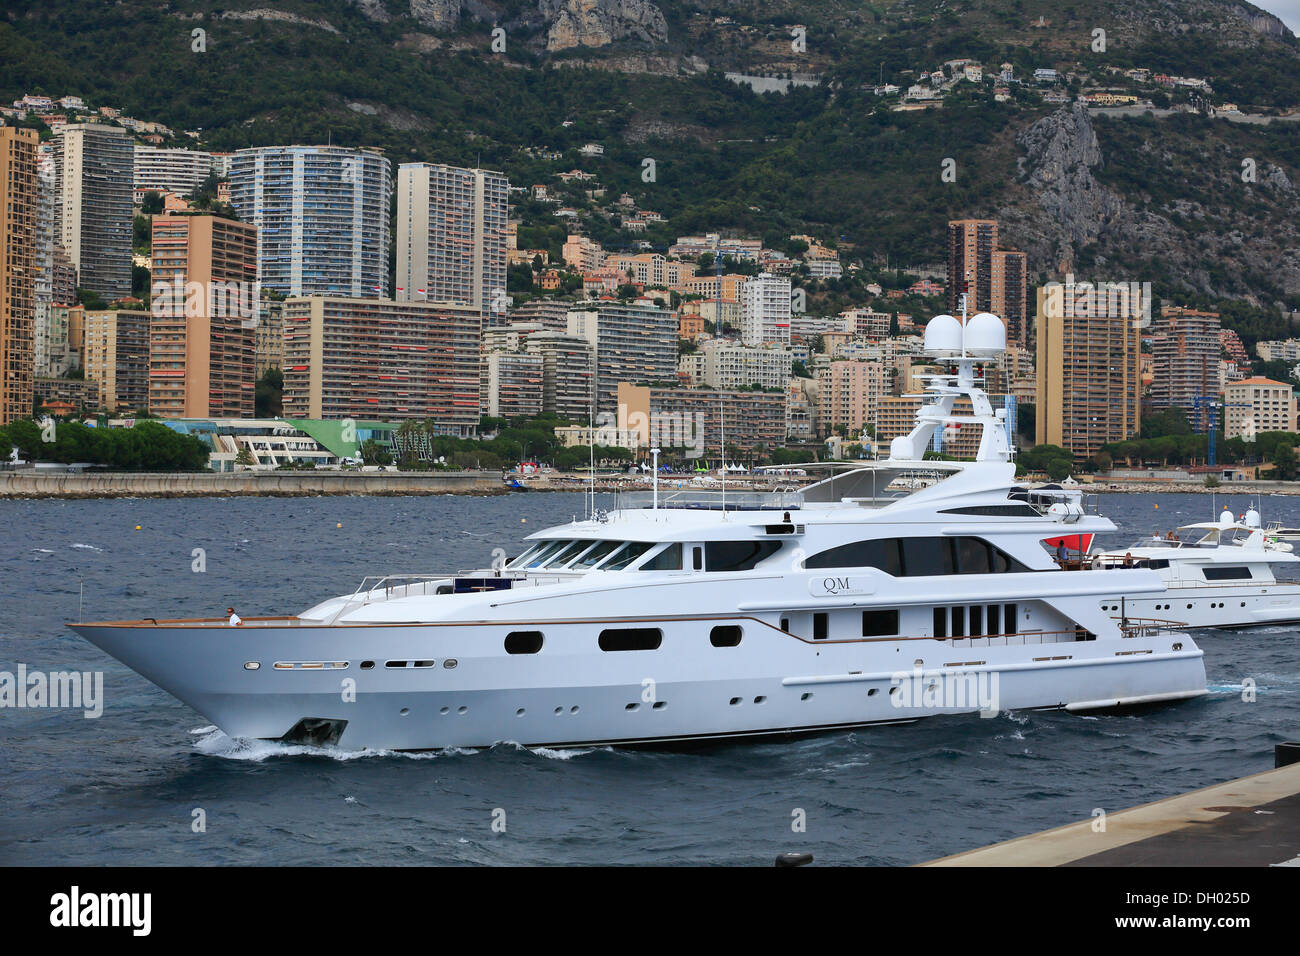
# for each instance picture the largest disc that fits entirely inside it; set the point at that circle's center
(903, 589)
(1217, 574)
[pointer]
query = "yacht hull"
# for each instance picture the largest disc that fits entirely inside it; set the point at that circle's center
(466, 691)
(1210, 606)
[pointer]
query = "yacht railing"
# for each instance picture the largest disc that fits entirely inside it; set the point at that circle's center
(712, 500)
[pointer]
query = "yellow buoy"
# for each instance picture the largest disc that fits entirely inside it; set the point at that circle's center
(339, 525)
(1157, 506)
(137, 527)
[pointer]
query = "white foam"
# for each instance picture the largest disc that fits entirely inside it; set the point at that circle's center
(216, 743)
(87, 547)
(42, 551)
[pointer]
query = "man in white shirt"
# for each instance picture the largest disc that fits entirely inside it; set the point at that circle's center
(235, 619)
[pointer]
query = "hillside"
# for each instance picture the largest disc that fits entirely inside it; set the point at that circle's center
(1159, 197)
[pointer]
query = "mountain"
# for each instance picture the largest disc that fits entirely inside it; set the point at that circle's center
(1157, 195)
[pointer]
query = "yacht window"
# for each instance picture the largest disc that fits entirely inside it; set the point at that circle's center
(820, 625)
(977, 620)
(973, 556)
(565, 555)
(994, 511)
(1009, 618)
(523, 642)
(941, 622)
(725, 635)
(631, 639)
(737, 555)
(626, 555)
(523, 558)
(1227, 573)
(882, 553)
(596, 554)
(959, 622)
(927, 556)
(669, 559)
(697, 558)
(880, 623)
(993, 618)
(545, 553)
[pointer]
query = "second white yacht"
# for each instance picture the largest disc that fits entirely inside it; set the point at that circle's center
(1217, 574)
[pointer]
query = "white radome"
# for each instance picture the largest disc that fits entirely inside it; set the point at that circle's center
(986, 336)
(943, 336)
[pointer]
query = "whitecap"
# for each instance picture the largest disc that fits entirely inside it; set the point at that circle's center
(87, 547)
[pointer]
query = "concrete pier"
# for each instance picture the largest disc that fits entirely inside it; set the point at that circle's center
(1254, 821)
(30, 484)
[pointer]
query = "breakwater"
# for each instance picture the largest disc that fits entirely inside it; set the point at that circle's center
(37, 484)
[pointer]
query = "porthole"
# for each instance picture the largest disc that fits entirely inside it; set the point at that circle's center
(1178, 647)
(449, 663)
(405, 711)
(725, 635)
(444, 710)
(462, 709)
(573, 709)
(759, 699)
(658, 705)
(558, 711)
(735, 702)
(632, 706)
(892, 691)
(519, 712)
(252, 665)
(805, 696)
(367, 665)
(872, 691)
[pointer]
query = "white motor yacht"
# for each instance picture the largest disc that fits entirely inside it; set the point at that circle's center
(886, 593)
(1217, 574)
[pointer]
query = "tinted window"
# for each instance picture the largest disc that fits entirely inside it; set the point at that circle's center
(567, 554)
(820, 626)
(973, 556)
(994, 511)
(546, 552)
(1009, 618)
(927, 556)
(1226, 574)
(725, 635)
(976, 620)
(593, 557)
(626, 555)
(880, 623)
(669, 559)
(631, 639)
(959, 622)
(523, 642)
(882, 553)
(737, 555)
(941, 622)
(994, 627)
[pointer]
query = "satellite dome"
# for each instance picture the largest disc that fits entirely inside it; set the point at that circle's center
(1226, 520)
(943, 336)
(1252, 518)
(986, 336)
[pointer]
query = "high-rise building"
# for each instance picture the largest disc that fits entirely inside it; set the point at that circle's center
(850, 396)
(511, 384)
(724, 364)
(551, 315)
(1009, 294)
(747, 420)
(765, 310)
(376, 359)
(204, 304)
(268, 340)
(93, 168)
(18, 247)
(179, 171)
(633, 342)
(44, 256)
(1089, 373)
(322, 217)
(971, 243)
(116, 357)
(451, 237)
(568, 374)
(1185, 344)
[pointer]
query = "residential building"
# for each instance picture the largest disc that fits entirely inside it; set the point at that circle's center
(93, 168)
(322, 217)
(511, 384)
(79, 393)
(850, 396)
(1089, 374)
(652, 269)
(1009, 293)
(971, 243)
(582, 254)
(179, 171)
(765, 310)
(268, 337)
(116, 357)
(726, 365)
(451, 237)
(19, 190)
(568, 374)
(353, 358)
(1269, 407)
(750, 421)
(633, 342)
(202, 339)
(867, 324)
(1186, 350)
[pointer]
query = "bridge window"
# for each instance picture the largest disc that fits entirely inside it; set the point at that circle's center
(626, 555)
(927, 556)
(597, 554)
(737, 555)
(882, 553)
(669, 559)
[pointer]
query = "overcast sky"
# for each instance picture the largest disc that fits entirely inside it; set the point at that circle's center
(1287, 10)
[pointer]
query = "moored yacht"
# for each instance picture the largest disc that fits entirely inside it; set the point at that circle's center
(885, 593)
(1217, 574)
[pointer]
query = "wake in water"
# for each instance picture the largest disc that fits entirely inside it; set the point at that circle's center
(213, 742)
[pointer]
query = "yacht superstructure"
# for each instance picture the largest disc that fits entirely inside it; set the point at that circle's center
(903, 589)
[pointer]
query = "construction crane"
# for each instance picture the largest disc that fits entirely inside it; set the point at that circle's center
(1210, 403)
